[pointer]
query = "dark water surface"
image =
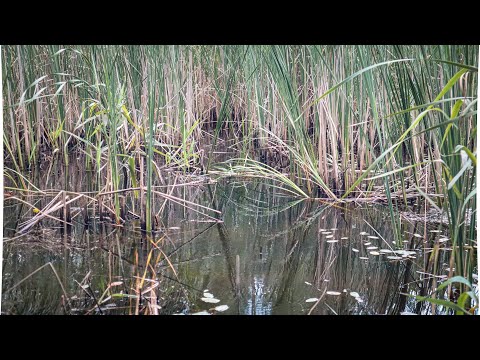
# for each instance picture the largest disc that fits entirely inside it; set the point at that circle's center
(268, 256)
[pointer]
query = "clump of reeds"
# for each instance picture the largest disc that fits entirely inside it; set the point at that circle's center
(389, 122)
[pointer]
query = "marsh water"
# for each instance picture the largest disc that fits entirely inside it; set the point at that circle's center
(268, 254)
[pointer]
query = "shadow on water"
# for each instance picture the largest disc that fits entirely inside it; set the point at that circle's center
(268, 256)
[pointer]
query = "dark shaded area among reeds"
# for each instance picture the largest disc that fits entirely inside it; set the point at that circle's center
(389, 124)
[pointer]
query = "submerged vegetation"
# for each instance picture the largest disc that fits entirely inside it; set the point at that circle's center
(337, 124)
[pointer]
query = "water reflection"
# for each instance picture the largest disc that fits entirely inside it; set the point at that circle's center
(268, 256)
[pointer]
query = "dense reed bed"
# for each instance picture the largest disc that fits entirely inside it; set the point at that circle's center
(369, 123)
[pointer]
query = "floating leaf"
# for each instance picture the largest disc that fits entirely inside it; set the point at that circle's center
(374, 253)
(367, 243)
(208, 295)
(311, 300)
(418, 235)
(355, 250)
(373, 237)
(354, 294)
(210, 300)
(443, 240)
(363, 233)
(306, 282)
(372, 247)
(394, 257)
(407, 313)
(385, 251)
(336, 293)
(200, 313)
(405, 252)
(221, 308)
(332, 241)
(329, 237)
(363, 258)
